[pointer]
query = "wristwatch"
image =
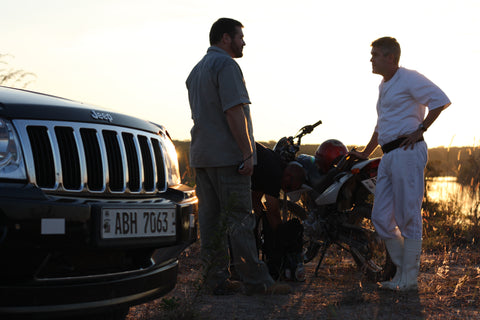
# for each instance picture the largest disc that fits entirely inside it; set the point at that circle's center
(422, 127)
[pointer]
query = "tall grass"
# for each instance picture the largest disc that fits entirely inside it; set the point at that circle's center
(450, 222)
(446, 224)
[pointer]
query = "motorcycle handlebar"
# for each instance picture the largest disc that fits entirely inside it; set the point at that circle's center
(308, 129)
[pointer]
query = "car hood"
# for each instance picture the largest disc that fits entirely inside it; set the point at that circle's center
(23, 104)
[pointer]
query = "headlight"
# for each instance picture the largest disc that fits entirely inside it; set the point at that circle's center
(171, 162)
(11, 159)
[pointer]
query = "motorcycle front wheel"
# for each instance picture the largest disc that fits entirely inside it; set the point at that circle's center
(359, 238)
(372, 258)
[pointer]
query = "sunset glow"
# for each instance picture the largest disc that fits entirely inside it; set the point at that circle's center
(304, 61)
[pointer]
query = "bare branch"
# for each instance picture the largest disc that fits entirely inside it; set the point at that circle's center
(12, 77)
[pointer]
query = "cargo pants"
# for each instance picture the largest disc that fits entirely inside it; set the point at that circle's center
(225, 213)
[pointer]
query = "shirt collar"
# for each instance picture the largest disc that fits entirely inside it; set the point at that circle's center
(217, 50)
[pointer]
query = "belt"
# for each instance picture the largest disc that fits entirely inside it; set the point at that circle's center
(392, 145)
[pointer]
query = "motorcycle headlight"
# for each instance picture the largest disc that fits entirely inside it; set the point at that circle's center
(11, 159)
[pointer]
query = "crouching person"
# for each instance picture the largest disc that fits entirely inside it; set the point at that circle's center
(283, 241)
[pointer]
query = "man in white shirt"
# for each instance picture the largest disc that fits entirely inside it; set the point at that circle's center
(404, 96)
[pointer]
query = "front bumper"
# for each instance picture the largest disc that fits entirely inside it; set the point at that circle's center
(77, 271)
(67, 298)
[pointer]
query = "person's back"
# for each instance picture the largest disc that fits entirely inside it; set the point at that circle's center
(314, 177)
(267, 173)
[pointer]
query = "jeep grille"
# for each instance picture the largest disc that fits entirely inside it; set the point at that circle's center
(68, 157)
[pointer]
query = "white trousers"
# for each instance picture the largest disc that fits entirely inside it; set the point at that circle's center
(399, 193)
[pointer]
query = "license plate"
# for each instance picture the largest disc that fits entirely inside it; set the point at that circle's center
(370, 184)
(138, 223)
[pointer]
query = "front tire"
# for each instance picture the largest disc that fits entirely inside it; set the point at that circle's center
(374, 259)
(359, 238)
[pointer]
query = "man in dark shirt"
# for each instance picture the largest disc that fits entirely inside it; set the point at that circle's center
(282, 241)
(269, 176)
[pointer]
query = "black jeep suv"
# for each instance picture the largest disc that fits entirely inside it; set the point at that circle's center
(93, 215)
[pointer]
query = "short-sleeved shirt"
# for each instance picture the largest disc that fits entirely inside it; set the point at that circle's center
(402, 102)
(267, 173)
(215, 85)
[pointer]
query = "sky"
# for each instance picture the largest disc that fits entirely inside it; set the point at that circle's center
(303, 61)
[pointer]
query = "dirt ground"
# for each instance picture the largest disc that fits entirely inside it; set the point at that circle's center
(449, 288)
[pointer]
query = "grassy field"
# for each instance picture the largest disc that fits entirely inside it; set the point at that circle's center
(449, 281)
(449, 285)
(460, 162)
(442, 227)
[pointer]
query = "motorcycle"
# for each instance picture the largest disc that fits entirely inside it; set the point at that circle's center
(335, 208)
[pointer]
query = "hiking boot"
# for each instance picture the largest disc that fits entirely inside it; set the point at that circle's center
(276, 288)
(229, 287)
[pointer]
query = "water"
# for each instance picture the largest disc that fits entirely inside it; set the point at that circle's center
(443, 189)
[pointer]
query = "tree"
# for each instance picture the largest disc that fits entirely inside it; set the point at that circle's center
(12, 77)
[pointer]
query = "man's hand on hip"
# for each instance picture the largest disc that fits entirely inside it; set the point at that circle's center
(411, 139)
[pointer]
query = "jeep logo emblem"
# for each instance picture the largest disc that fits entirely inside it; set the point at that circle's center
(101, 116)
